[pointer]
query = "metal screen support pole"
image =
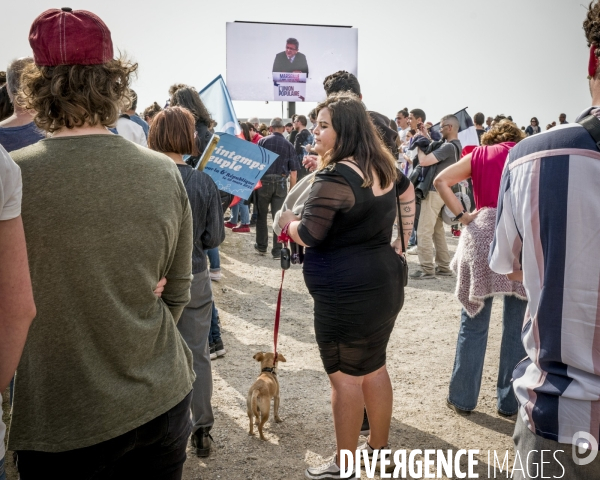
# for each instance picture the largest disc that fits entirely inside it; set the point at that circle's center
(291, 109)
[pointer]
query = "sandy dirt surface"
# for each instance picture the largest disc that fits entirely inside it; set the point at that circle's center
(420, 358)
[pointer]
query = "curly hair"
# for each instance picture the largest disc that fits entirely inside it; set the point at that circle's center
(151, 111)
(341, 81)
(69, 96)
(503, 131)
(187, 97)
(591, 25)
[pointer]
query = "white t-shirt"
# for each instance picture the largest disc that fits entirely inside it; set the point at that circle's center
(11, 189)
(131, 131)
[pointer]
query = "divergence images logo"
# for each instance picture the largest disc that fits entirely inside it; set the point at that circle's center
(584, 442)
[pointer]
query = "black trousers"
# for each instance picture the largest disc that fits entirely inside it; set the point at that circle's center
(271, 194)
(153, 451)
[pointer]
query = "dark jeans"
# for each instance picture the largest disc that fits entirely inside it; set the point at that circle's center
(153, 451)
(272, 193)
(214, 334)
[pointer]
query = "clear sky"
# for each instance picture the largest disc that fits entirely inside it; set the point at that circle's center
(519, 57)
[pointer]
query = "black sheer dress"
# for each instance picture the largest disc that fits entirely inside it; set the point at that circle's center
(351, 270)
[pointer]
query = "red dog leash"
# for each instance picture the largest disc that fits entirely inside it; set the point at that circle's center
(285, 239)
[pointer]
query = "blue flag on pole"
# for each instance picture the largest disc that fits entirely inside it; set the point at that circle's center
(236, 165)
(215, 97)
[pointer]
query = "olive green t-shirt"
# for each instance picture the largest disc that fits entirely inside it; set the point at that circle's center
(104, 220)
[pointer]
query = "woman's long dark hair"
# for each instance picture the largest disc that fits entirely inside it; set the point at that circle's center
(246, 130)
(358, 138)
(187, 97)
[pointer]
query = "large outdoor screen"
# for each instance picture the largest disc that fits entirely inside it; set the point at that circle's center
(286, 62)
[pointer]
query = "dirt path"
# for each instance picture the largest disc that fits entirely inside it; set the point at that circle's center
(420, 359)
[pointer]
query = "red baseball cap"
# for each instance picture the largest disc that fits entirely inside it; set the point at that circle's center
(67, 37)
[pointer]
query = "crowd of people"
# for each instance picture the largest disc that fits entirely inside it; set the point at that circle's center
(109, 242)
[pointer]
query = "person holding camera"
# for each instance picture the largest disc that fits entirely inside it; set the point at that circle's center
(352, 270)
(430, 230)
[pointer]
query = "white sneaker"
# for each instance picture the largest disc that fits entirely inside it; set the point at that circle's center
(215, 276)
(365, 446)
(327, 471)
(413, 250)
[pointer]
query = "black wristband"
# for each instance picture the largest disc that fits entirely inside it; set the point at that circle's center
(459, 216)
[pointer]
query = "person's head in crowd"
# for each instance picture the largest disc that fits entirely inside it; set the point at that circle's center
(133, 101)
(503, 131)
(276, 125)
(187, 97)
(449, 126)
(246, 131)
(13, 77)
(410, 134)
(93, 83)
(534, 122)
(6, 106)
(253, 132)
(402, 119)
(312, 116)
(562, 118)
(488, 121)
(415, 117)
(497, 119)
(172, 132)
(254, 121)
(509, 117)
(478, 119)
(523, 128)
(289, 127)
(345, 130)
(291, 47)
(300, 123)
(342, 81)
(150, 112)
(553, 124)
(263, 129)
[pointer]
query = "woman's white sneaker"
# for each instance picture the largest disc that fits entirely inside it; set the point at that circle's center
(328, 471)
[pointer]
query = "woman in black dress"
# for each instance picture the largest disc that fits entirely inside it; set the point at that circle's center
(351, 268)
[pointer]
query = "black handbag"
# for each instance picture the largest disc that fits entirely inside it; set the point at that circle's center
(403, 261)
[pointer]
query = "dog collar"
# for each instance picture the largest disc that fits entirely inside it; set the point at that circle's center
(270, 370)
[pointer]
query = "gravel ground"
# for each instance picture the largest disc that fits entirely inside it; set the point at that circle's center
(420, 358)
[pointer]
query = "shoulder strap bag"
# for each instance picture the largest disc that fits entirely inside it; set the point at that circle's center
(403, 261)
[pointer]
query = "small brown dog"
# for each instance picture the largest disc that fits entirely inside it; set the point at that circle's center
(260, 393)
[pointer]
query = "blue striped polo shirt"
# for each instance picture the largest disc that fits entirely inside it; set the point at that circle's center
(548, 225)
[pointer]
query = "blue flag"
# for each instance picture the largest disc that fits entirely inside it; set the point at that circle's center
(237, 165)
(215, 97)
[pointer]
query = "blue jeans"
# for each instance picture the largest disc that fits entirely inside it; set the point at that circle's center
(2, 471)
(214, 335)
(470, 353)
(243, 210)
(214, 259)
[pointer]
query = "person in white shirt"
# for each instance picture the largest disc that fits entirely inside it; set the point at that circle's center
(130, 130)
(16, 297)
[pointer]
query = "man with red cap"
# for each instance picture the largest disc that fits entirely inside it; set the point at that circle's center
(547, 237)
(104, 384)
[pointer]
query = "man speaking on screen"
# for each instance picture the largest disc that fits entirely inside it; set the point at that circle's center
(290, 61)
